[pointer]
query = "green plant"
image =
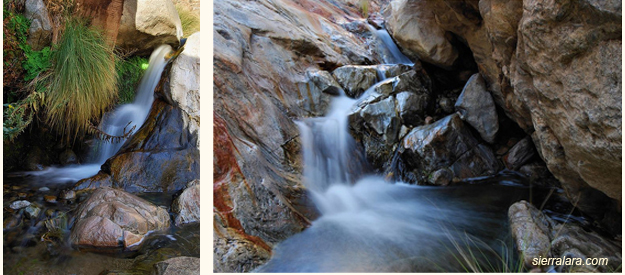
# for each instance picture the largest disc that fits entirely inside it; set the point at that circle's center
(36, 61)
(82, 82)
(129, 73)
(15, 33)
(190, 20)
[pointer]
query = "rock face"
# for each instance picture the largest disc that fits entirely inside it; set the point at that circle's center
(554, 68)
(105, 15)
(160, 157)
(109, 216)
(446, 143)
(266, 54)
(414, 28)
(187, 206)
(40, 31)
(476, 106)
(178, 266)
(146, 24)
(536, 235)
(184, 84)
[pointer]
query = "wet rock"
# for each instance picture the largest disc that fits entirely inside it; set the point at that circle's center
(112, 219)
(35, 160)
(40, 31)
(476, 106)
(11, 222)
(178, 266)
(187, 206)
(411, 107)
(68, 194)
(537, 235)
(146, 24)
(411, 81)
(49, 199)
(446, 104)
(16, 205)
(318, 89)
(441, 177)
(32, 211)
(519, 154)
(44, 189)
(355, 79)
(391, 70)
(68, 157)
(531, 230)
(446, 143)
(185, 85)
(22, 195)
(414, 28)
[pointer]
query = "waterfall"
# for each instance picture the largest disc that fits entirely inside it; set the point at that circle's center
(392, 53)
(113, 123)
(370, 225)
(136, 112)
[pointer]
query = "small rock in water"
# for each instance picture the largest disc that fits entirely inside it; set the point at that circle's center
(441, 177)
(19, 204)
(22, 195)
(15, 187)
(68, 195)
(32, 211)
(50, 199)
(11, 222)
(44, 189)
(50, 212)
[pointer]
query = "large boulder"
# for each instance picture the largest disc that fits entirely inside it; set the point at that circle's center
(110, 215)
(476, 106)
(445, 144)
(184, 84)
(414, 28)
(40, 31)
(536, 235)
(146, 24)
(186, 207)
(356, 79)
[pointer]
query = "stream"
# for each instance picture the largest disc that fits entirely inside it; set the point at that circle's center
(28, 247)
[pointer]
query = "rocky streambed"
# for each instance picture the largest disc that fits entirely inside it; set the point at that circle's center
(475, 108)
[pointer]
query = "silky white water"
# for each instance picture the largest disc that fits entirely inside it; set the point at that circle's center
(113, 123)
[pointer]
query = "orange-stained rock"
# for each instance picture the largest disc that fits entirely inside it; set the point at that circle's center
(105, 15)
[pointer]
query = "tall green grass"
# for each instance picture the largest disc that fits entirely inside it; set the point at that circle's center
(82, 82)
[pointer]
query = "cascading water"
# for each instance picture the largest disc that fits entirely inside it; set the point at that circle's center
(392, 53)
(368, 224)
(114, 123)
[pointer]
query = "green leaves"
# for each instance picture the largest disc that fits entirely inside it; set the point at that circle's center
(36, 61)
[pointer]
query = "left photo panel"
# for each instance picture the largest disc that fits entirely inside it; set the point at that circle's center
(101, 120)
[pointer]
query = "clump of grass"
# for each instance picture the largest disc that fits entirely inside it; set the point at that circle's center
(82, 83)
(129, 73)
(190, 20)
